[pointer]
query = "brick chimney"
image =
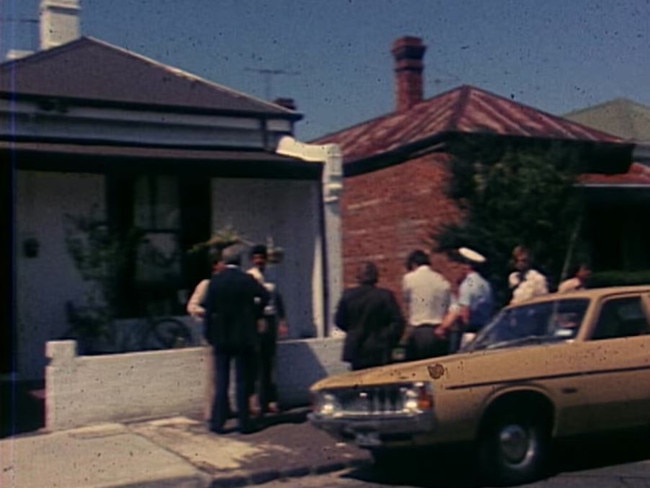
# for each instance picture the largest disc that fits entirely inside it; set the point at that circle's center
(408, 53)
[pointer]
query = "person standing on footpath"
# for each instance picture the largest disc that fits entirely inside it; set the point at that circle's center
(475, 304)
(272, 325)
(194, 308)
(372, 320)
(525, 282)
(427, 294)
(233, 305)
(197, 312)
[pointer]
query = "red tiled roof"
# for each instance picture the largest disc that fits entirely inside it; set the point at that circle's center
(463, 109)
(638, 174)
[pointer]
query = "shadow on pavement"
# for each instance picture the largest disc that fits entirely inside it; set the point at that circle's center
(454, 467)
(23, 407)
(441, 468)
(601, 451)
(296, 416)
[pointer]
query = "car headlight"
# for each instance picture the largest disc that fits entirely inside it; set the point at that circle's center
(326, 404)
(416, 397)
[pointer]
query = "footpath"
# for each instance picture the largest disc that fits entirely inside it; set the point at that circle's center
(172, 452)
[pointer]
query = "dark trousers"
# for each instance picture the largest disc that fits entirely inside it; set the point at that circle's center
(265, 365)
(220, 410)
(423, 343)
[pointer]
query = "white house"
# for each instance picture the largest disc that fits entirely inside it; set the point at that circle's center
(87, 125)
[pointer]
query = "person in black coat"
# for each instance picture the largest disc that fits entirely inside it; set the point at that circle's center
(372, 319)
(233, 304)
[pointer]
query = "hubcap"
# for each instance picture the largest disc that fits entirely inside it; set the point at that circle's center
(514, 443)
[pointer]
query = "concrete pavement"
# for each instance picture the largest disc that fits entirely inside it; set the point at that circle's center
(177, 451)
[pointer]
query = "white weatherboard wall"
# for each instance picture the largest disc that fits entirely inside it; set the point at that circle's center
(289, 212)
(83, 390)
(45, 282)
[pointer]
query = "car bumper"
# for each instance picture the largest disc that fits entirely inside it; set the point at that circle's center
(376, 430)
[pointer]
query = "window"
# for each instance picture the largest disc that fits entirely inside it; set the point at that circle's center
(621, 317)
(545, 321)
(173, 213)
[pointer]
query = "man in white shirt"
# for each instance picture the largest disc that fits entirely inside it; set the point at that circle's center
(525, 282)
(427, 296)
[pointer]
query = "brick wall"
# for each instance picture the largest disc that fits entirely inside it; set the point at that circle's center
(388, 213)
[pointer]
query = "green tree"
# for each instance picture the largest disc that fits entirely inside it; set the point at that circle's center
(514, 194)
(101, 257)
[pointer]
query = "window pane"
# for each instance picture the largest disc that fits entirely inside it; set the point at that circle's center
(158, 260)
(166, 211)
(156, 203)
(621, 317)
(142, 203)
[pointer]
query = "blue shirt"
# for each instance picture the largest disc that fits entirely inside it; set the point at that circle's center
(476, 293)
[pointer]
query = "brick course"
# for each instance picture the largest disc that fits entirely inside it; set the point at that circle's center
(388, 213)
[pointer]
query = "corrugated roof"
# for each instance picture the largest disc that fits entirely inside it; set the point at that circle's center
(622, 117)
(465, 109)
(91, 69)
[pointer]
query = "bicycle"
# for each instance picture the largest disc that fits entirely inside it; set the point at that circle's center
(165, 333)
(96, 334)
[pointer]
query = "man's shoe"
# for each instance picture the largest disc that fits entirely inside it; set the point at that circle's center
(249, 429)
(217, 430)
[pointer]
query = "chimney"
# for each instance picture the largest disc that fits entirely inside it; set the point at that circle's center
(408, 53)
(286, 103)
(59, 22)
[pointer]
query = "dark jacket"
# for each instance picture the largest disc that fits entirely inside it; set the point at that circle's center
(233, 303)
(373, 322)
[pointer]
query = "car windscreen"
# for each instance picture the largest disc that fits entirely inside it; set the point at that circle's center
(556, 320)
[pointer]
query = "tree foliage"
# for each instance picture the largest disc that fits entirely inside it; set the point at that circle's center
(516, 194)
(101, 257)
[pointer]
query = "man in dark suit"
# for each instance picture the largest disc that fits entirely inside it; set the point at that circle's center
(372, 319)
(233, 304)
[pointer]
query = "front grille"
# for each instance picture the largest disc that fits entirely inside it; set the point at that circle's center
(373, 400)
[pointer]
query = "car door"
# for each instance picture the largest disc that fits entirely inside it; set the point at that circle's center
(617, 364)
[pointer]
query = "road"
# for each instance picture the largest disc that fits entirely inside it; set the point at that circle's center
(616, 461)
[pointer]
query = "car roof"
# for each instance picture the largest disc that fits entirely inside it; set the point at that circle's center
(591, 293)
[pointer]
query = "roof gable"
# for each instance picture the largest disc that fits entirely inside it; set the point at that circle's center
(464, 109)
(95, 70)
(622, 117)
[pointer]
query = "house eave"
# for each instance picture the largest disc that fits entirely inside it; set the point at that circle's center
(87, 158)
(602, 157)
(47, 120)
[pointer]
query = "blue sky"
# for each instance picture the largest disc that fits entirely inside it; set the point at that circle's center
(555, 55)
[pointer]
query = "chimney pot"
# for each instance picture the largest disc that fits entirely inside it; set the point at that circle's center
(408, 52)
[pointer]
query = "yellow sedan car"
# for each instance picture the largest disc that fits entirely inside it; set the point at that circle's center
(555, 366)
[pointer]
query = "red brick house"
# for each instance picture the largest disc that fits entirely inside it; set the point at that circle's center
(395, 166)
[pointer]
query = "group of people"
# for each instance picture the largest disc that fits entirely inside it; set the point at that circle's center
(437, 318)
(243, 315)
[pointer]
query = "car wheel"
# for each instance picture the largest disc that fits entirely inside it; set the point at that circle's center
(514, 447)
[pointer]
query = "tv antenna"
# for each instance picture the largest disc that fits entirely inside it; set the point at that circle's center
(268, 74)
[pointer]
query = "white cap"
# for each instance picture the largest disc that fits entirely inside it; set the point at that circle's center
(471, 255)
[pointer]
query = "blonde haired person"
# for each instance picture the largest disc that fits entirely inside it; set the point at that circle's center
(525, 282)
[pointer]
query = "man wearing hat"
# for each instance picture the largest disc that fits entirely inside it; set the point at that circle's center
(475, 299)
